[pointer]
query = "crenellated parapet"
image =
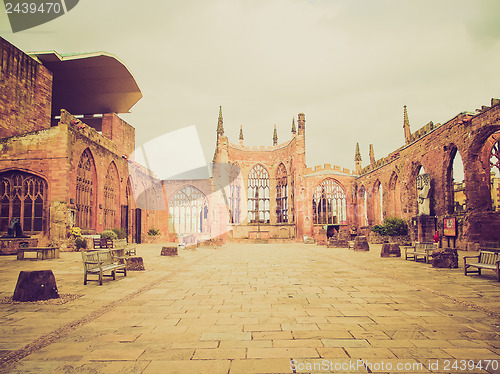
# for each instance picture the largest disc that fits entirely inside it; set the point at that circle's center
(462, 118)
(328, 168)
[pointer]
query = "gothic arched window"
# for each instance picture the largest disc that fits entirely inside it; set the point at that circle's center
(292, 197)
(188, 211)
(258, 195)
(22, 196)
(281, 195)
(111, 185)
(85, 198)
(329, 203)
(235, 194)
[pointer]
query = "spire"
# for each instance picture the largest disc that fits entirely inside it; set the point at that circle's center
(241, 135)
(293, 125)
(220, 127)
(357, 160)
(275, 136)
(301, 121)
(372, 155)
(406, 126)
(357, 156)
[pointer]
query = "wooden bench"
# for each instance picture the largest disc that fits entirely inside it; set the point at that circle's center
(42, 253)
(103, 243)
(122, 244)
(485, 260)
(420, 249)
(99, 262)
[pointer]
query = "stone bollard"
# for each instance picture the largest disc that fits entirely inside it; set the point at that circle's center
(390, 250)
(169, 251)
(361, 244)
(35, 286)
(135, 263)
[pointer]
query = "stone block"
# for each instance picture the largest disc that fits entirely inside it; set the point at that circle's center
(36, 285)
(169, 251)
(390, 250)
(361, 244)
(445, 258)
(135, 263)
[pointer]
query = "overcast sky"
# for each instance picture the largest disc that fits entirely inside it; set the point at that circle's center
(350, 65)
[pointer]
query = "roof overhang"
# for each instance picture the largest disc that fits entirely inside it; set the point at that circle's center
(89, 83)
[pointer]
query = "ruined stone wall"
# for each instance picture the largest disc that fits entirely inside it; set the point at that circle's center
(119, 131)
(26, 92)
(312, 179)
(292, 155)
(216, 212)
(434, 150)
(54, 154)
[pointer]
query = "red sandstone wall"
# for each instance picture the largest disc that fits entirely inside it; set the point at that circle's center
(25, 92)
(119, 131)
(465, 134)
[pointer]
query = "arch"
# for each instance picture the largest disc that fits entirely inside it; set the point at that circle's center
(492, 145)
(363, 206)
(394, 203)
(235, 193)
(24, 196)
(111, 196)
(377, 199)
(85, 191)
(455, 197)
(292, 196)
(128, 222)
(281, 194)
(329, 203)
(188, 211)
(258, 195)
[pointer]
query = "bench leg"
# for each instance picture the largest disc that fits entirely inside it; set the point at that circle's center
(113, 273)
(100, 277)
(85, 279)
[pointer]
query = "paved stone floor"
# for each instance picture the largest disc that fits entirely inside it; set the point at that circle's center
(261, 308)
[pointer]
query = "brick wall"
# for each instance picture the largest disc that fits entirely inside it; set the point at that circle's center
(25, 92)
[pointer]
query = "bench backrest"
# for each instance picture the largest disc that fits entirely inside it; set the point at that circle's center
(489, 258)
(103, 243)
(425, 245)
(96, 256)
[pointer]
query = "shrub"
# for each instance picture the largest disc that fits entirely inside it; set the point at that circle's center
(153, 232)
(80, 243)
(391, 227)
(379, 229)
(109, 234)
(120, 233)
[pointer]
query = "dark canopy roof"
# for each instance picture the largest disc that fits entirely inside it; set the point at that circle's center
(91, 83)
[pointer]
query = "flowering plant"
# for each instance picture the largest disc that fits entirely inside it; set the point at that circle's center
(75, 231)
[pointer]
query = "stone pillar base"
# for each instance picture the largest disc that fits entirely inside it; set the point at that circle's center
(445, 258)
(361, 244)
(390, 250)
(169, 251)
(35, 286)
(135, 263)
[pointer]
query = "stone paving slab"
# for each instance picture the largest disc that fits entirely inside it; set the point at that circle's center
(245, 308)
